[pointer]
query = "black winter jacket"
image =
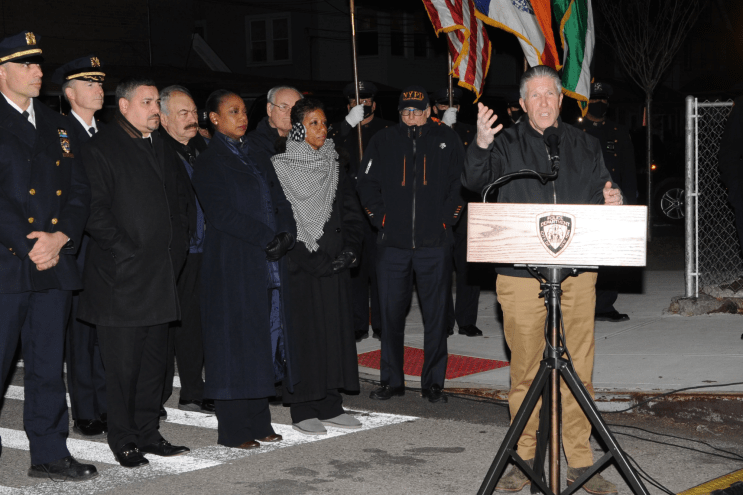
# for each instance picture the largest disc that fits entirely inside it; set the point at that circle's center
(581, 178)
(409, 184)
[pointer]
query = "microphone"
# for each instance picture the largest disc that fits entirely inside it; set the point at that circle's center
(552, 139)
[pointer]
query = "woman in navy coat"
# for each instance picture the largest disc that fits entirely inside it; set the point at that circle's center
(250, 227)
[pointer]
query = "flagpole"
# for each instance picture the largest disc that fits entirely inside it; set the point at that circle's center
(451, 82)
(356, 73)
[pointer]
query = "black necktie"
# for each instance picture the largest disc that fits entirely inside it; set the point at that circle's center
(26, 116)
(92, 131)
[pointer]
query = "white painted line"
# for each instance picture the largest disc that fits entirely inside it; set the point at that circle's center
(176, 378)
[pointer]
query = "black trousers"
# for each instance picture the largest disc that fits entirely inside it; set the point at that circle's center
(134, 359)
(184, 337)
(432, 270)
(242, 420)
(86, 378)
(362, 277)
(328, 407)
(468, 282)
(39, 320)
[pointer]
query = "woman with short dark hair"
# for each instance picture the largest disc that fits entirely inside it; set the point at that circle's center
(247, 343)
(329, 232)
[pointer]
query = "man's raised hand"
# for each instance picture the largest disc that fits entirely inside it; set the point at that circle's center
(485, 130)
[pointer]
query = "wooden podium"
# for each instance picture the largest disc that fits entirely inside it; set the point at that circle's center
(553, 242)
(547, 234)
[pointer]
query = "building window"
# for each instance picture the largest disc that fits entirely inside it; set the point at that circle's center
(367, 34)
(397, 34)
(268, 39)
(420, 35)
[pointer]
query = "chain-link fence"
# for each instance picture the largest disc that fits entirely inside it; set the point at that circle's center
(713, 256)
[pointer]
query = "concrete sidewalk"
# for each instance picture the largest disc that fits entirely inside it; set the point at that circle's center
(650, 354)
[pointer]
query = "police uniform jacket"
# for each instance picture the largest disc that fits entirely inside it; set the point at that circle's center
(44, 188)
(409, 184)
(139, 222)
(619, 154)
(581, 177)
(347, 137)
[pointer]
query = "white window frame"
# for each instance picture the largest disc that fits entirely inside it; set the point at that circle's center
(268, 18)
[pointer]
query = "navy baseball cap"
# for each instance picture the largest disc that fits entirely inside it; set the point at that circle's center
(413, 97)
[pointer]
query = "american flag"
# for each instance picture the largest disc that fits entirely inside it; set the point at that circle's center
(468, 41)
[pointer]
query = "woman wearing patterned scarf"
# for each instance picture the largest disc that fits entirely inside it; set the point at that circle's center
(329, 232)
(244, 279)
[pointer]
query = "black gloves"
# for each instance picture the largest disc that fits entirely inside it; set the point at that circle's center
(345, 260)
(278, 246)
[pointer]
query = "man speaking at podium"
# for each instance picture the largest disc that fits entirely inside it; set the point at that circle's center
(582, 179)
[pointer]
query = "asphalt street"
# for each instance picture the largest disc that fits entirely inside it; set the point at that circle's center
(407, 446)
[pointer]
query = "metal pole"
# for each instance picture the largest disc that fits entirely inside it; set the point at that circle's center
(690, 196)
(451, 82)
(554, 384)
(356, 73)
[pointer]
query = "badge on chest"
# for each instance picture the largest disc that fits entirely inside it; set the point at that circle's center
(64, 142)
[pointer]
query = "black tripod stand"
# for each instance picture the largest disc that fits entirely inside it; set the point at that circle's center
(547, 385)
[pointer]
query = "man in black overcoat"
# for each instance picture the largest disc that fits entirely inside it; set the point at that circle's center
(44, 201)
(139, 225)
(82, 87)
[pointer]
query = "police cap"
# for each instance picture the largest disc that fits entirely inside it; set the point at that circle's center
(601, 90)
(83, 68)
(367, 89)
(21, 47)
(442, 96)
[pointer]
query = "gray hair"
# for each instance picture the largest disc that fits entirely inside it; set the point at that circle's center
(539, 71)
(275, 90)
(64, 88)
(128, 86)
(166, 93)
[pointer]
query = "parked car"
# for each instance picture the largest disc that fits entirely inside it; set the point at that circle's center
(668, 180)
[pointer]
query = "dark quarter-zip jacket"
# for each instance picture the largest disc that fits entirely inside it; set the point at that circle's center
(409, 184)
(581, 177)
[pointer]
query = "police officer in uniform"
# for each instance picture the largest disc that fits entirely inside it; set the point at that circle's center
(82, 86)
(44, 205)
(513, 108)
(619, 157)
(468, 287)
(345, 136)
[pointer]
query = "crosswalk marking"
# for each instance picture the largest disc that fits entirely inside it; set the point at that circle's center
(202, 458)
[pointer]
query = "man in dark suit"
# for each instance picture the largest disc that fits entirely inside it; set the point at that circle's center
(44, 203)
(139, 225)
(180, 126)
(82, 86)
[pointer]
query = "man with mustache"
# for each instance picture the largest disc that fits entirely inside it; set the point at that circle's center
(179, 118)
(139, 222)
(82, 87)
(44, 203)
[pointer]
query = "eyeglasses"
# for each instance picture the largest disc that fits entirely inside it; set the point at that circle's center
(407, 111)
(282, 108)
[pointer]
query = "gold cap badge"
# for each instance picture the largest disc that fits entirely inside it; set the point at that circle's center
(94, 62)
(30, 38)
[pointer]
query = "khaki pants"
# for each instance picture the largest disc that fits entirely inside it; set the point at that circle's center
(524, 314)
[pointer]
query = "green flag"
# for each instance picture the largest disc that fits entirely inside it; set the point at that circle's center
(577, 37)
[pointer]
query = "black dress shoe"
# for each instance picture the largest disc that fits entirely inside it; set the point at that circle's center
(613, 316)
(386, 392)
(65, 469)
(164, 448)
(434, 394)
(130, 457)
(104, 421)
(207, 405)
(91, 428)
(470, 331)
(163, 412)
(450, 331)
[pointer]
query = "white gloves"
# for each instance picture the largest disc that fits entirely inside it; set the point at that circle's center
(355, 116)
(450, 116)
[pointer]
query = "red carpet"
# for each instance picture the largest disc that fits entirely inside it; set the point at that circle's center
(456, 367)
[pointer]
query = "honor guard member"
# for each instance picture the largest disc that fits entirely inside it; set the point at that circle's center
(513, 108)
(345, 136)
(619, 157)
(409, 185)
(44, 204)
(82, 87)
(468, 287)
